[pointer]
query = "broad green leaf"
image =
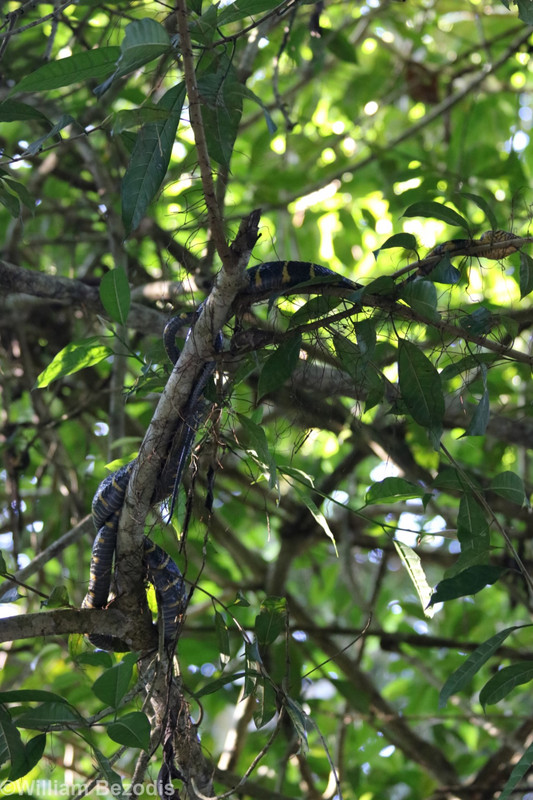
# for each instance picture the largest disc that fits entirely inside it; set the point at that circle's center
(144, 40)
(421, 388)
(12, 749)
(256, 444)
(36, 146)
(473, 534)
(113, 780)
(84, 66)
(115, 294)
(422, 297)
(21, 191)
(469, 581)
(365, 332)
(252, 658)
(75, 356)
(444, 272)
(136, 117)
(299, 720)
(9, 200)
(247, 93)
(315, 307)
(221, 111)
(131, 730)
(390, 489)
(464, 674)
(526, 274)
(525, 11)
(219, 683)
(244, 8)
(413, 565)
(279, 366)
(484, 206)
(222, 634)
(340, 46)
(404, 240)
(35, 749)
(149, 160)
(30, 696)
(113, 684)
(437, 211)
(511, 486)
(480, 418)
(266, 705)
(13, 110)
(479, 322)
(271, 621)
(505, 680)
(384, 285)
(519, 771)
(49, 714)
(467, 363)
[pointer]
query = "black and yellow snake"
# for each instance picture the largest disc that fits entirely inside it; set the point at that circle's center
(265, 280)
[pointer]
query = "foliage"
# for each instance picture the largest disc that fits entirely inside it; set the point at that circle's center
(361, 566)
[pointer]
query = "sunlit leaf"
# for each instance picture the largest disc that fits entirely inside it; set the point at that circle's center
(73, 357)
(115, 294)
(413, 565)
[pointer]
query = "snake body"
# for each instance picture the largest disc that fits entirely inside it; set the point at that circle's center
(266, 280)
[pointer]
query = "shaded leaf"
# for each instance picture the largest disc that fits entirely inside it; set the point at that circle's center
(505, 680)
(484, 206)
(405, 240)
(271, 621)
(222, 634)
(511, 486)
(244, 8)
(518, 772)
(468, 582)
(279, 366)
(113, 684)
(115, 294)
(35, 146)
(437, 211)
(46, 714)
(13, 110)
(149, 159)
(526, 274)
(480, 418)
(420, 388)
(113, 780)
(74, 69)
(464, 674)
(390, 489)
(131, 730)
(467, 363)
(422, 297)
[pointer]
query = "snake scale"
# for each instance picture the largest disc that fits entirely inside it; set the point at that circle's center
(266, 280)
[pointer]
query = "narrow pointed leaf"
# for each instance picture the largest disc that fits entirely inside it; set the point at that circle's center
(420, 387)
(469, 581)
(505, 680)
(404, 240)
(73, 357)
(437, 211)
(526, 274)
(413, 565)
(91, 64)
(115, 294)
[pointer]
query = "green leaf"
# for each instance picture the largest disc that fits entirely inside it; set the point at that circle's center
(421, 388)
(46, 714)
(115, 294)
(13, 110)
(444, 272)
(467, 363)
(422, 297)
(313, 309)
(469, 581)
(113, 684)
(256, 444)
(464, 674)
(9, 200)
(271, 621)
(134, 118)
(75, 356)
(340, 46)
(36, 146)
(390, 489)
(484, 206)
(30, 696)
(405, 240)
(221, 111)
(525, 11)
(12, 749)
(90, 64)
(244, 8)
(505, 680)
(437, 211)
(113, 780)
(298, 719)
(519, 771)
(413, 565)
(131, 730)
(479, 322)
(365, 332)
(526, 274)
(222, 634)
(266, 705)
(144, 40)
(219, 683)
(318, 516)
(511, 486)
(480, 417)
(279, 366)
(149, 159)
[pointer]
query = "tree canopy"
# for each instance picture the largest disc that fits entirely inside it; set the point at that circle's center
(353, 521)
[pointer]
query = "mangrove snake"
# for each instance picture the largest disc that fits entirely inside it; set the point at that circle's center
(266, 280)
